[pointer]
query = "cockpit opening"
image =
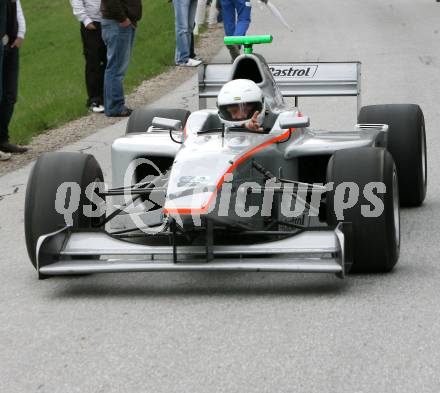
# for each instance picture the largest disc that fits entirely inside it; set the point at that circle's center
(247, 68)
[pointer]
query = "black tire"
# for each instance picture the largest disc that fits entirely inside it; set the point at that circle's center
(48, 173)
(376, 240)
(407, 145)
(140, 120)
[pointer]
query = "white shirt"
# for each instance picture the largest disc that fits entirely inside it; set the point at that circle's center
(87, 11)
(21, 21)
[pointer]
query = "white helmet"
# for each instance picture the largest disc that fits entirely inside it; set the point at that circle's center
(237, 102)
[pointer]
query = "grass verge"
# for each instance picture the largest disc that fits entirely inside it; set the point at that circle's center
(52, 88)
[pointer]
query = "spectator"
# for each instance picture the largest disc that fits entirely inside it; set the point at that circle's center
(200, 16)
(236, 20)
(3, 156)
(192, 53)
(199, 21)
(15, 31)
(118, 25)
(89, 15)
(2, 36)
(214, 15)
(184, 11)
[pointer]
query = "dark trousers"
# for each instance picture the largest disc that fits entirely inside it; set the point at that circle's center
(192, 53)
(95, 54)
(10, 89)
(1, 69)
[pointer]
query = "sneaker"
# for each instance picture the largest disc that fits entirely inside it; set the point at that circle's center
(190, 63)
(197, 58)
(96, 108)
(4, 156)
(11, 148)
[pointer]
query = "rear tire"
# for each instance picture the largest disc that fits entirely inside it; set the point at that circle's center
(140, 120)
(376, 239)
(407, 145)
(48, 173)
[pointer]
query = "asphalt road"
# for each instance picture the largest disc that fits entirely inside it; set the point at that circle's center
(194, 332)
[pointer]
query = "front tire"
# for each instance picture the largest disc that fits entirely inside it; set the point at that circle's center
(376, 239)
(49, 172)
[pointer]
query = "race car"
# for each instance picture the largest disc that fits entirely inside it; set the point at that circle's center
(192, 192)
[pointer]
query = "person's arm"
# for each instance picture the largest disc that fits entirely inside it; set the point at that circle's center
(21, 21)
(79, 10)
(21, 27)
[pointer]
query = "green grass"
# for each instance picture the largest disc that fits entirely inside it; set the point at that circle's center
(52, 89)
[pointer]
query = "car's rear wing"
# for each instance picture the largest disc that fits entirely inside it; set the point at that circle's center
(293, 79)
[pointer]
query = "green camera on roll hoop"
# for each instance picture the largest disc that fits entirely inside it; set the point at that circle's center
(248, 41)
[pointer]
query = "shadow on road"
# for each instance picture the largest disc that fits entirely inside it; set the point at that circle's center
(199, 284)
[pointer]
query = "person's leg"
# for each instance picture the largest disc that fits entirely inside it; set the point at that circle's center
(220, 14)
(3, 155)
(102, 55)
(229, 18)
(200, 14)
(243, 8)
(1, 70)
(183, 32)
(109, 36)
(131, 40)
(192, 9)
(94, 53)
(213, 13)
(228, 12)
(191, 23)
(10, 88)
(119, 42)
(192, 52)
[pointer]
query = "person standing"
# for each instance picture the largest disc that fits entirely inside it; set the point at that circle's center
(15, 31)
(200, 16)
(184, 12)
(214, 13)
(119, 21)
(236, 20)
(2, 37)
(3, 156)
(89, 15)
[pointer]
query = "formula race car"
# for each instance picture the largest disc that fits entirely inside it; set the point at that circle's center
(197, 191)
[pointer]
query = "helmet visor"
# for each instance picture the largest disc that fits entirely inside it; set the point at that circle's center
(239, 112)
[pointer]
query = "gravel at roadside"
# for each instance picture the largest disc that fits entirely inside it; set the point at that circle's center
(148, 91)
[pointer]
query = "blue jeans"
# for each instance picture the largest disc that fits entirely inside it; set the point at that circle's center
(236, 16)
(119, 41)
(185, 14)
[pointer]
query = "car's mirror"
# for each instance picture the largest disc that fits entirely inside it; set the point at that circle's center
(167, 124)
(173, 125)
(291, 120)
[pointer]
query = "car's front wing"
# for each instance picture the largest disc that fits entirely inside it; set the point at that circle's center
(319, 251)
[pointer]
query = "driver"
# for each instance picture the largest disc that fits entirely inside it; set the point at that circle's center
(240, 103)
